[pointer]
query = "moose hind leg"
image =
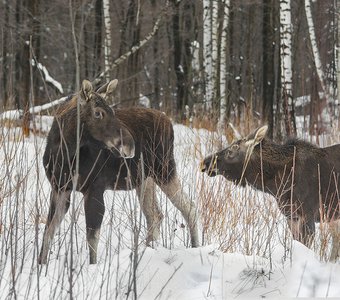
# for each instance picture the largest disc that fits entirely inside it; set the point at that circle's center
(181, 201)
(148, 201)
(59, 205)
(335, 233)
(94, 213)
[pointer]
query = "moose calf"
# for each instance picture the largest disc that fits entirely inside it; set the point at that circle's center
(118, 149)
(303, 178)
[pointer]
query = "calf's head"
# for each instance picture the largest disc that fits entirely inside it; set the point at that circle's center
(232, 161)
(100, 123)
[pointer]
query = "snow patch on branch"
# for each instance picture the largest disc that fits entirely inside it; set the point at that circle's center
(17, 114)
(11, 115)
(48, 77)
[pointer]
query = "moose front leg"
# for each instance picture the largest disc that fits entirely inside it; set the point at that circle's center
(59, 205)
(94, 213)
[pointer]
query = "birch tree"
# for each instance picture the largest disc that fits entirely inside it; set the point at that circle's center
(214, 47)
(286, 66)
(315, 50)
(223, 64)
(107, 39)
(207, 49)
(210, 25)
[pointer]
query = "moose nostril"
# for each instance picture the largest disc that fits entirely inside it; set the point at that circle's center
(127, 151)
(202, 166)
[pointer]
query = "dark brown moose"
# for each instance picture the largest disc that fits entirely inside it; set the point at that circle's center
(118, 149)
(303, 178)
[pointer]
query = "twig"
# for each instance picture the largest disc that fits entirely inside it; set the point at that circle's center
(300, 284)
(135, 48)
(173, 274)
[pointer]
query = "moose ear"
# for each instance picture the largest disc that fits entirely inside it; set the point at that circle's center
(101, 90)
(259, 135)
(86, 89)
(111, 87)
(107, 89)
(232, 134)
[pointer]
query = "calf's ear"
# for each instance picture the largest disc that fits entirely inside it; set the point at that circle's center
(102, 89)
(232, 134)
(111, 87)
(106, 90)
(259, 135)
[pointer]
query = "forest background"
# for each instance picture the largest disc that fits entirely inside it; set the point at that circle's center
(206, 62)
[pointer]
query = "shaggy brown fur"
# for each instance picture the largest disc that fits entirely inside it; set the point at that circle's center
(119, 150)
(303, 178)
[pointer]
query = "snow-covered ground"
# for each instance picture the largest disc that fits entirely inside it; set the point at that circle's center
(246, 249)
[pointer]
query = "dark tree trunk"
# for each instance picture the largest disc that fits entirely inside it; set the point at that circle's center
(35, 36)
(156, 86)
(314, 107)
(268, 44)
(98, 38)
(183, 33)
(130, 36)
(177, 56)
(6, 61)
(189, 35)
(231, 67)
(217, 89)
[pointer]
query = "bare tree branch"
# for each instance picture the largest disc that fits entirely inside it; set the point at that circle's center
(135, 48)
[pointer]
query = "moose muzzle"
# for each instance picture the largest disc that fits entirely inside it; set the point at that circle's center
(209, 165)
(122, 147)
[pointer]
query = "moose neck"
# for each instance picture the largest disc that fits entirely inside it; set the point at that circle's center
(68, 132)
(276, 154)
(269, 164)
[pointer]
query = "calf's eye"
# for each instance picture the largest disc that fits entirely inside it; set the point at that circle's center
(98, 114)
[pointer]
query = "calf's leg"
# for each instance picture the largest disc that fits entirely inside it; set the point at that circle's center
(150, 208)
(94, 213)
(181, 201)
(59, 205)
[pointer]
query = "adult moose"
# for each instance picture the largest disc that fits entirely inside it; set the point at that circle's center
(303, 178)
(119, 150)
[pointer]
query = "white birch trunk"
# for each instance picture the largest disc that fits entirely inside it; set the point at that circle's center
(286, 54)
(223, 70)
(207, 50)
(210, 48)
(316, 54)
(214, 46)
(107, 39)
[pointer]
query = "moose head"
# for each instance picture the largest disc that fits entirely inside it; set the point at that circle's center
(99, 122)
(232, 161)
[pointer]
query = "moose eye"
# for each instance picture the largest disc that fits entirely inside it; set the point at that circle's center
(98, 114)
